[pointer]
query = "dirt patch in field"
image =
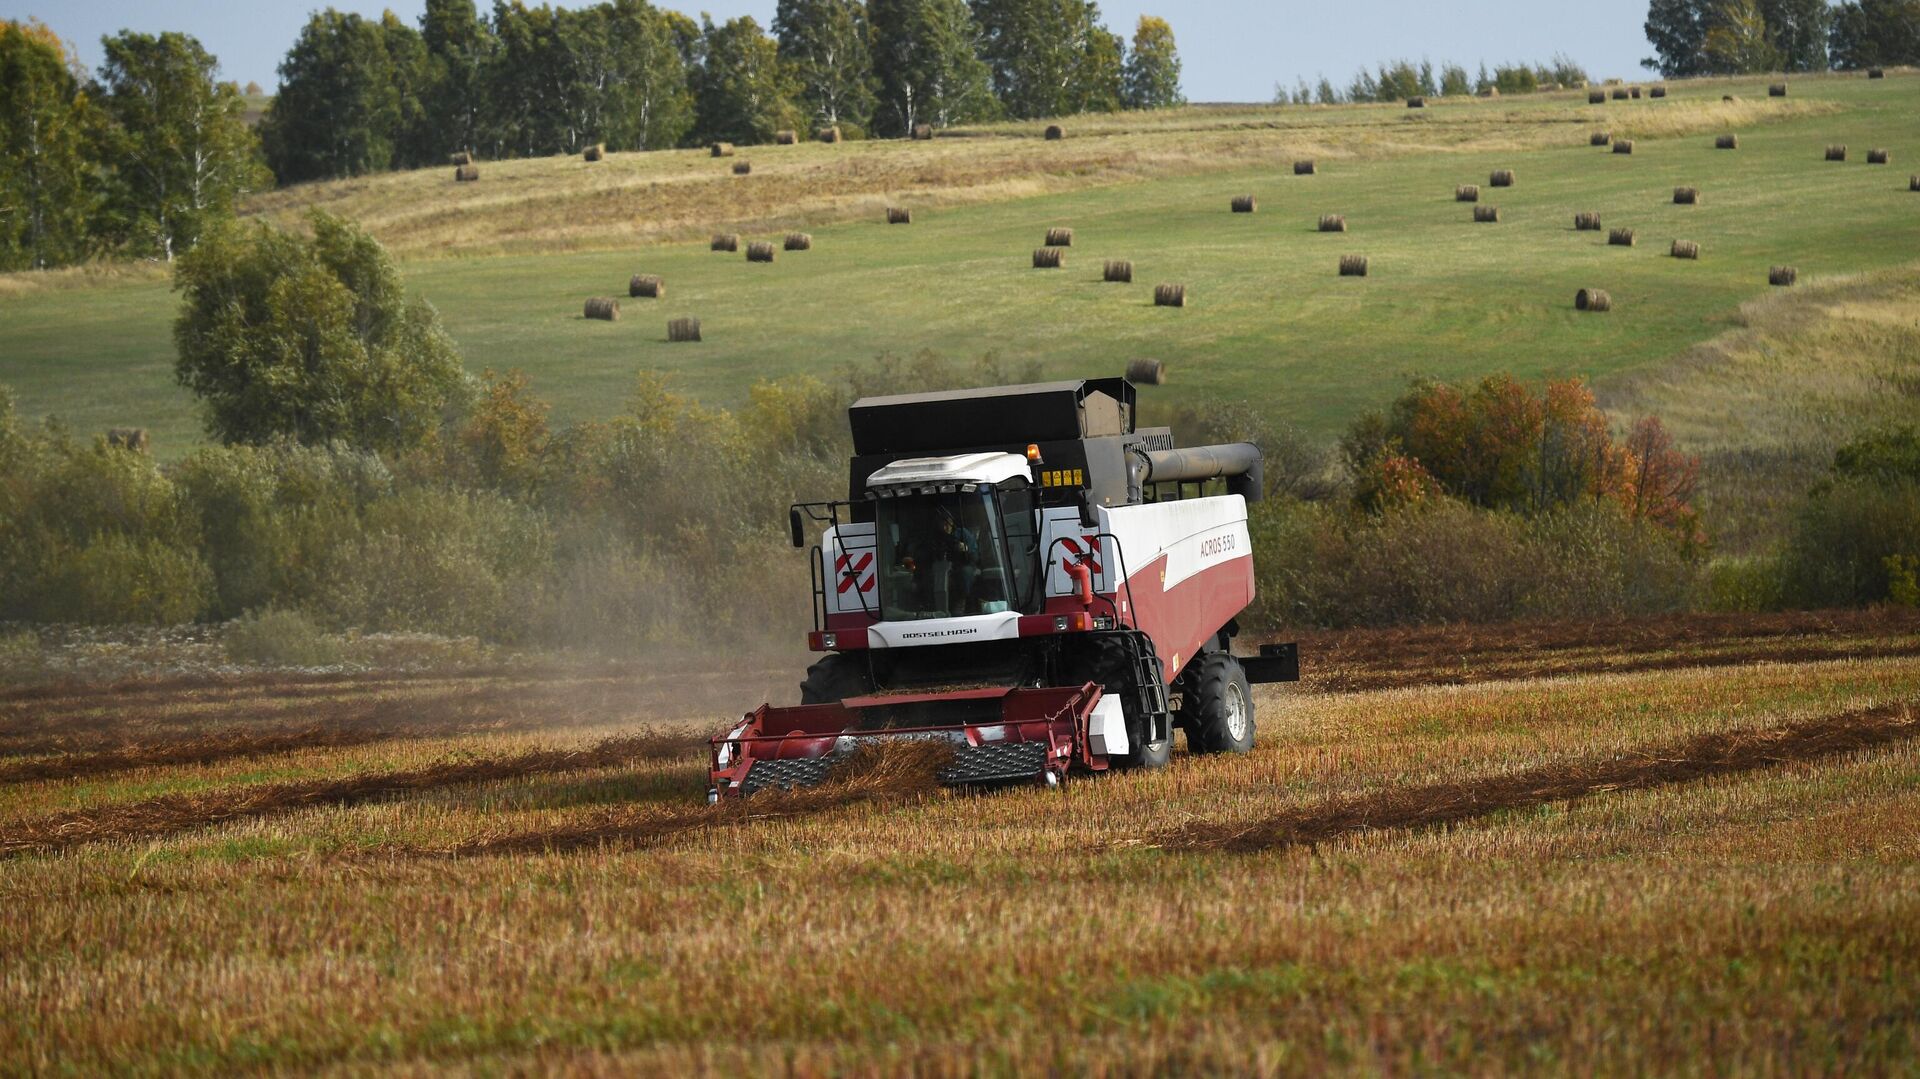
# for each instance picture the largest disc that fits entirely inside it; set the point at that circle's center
(1365, 659)
(1684, 761)
(177, 813)
(876, 774)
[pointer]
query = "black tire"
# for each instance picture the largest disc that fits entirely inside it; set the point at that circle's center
(1104, 660)
(834, 678)
(1217, 707)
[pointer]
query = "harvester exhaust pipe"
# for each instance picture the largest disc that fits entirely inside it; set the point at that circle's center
(1236, 462)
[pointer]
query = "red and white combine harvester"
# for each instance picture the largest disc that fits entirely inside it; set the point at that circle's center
(1020, 573)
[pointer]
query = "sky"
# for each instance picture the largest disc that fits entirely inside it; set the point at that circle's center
(1233, 50)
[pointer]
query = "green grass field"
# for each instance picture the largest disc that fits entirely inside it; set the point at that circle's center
(1268, 320)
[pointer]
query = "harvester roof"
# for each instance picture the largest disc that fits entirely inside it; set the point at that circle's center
(955, 420)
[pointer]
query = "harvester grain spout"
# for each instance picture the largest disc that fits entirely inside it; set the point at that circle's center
(1024, 574)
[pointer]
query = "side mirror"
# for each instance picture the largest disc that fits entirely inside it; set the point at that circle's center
(796, 527)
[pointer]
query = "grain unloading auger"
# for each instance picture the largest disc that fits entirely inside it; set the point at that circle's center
(1021, 574)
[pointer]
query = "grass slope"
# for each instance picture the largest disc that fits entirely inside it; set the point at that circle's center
(1268, 322)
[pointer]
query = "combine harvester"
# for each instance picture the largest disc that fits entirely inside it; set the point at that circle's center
(1022, 574)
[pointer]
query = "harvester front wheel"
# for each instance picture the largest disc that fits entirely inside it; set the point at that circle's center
(834, 678)
(1104, 659)
(1218, 707)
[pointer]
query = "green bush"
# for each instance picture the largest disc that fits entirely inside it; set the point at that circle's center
(454, 562)
(1444, 561)
(1842, 541)
(117, 579)
(270, 516)
(279, 638)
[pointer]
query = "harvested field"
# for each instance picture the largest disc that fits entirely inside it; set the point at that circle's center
(575, 890)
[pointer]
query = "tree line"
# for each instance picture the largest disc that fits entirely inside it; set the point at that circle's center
(360, 95)
(1735, 37)
(142, 157)
(1401, 79)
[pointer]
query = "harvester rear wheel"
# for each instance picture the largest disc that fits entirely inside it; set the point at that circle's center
(1217, 708)
(834, 678)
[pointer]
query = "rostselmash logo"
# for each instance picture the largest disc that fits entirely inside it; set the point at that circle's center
(939, 633)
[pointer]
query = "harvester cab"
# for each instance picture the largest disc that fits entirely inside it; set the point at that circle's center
(1024, 575)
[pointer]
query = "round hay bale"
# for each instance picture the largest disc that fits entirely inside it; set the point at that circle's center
(647, 286)
(721, 149)
(1619, 93)
(1913, 182)
(1055, 133)
(923, 132)
(1684, 249)
(1658, 91)
(1353, 265)
(1467, 193)
(1048, 258)
(1243, 204)
(1586, 222)
(1634, 93)
(1623, 146)
(466, 174)
(1333, 223)
(1416, 103)
(1620, 238)
(128, 438)
(1169, 295)
(1117, 270)
(1876, 73)
(1836, 152)
(799, 241)
(605, 308)
(683, 329)
(1726, 99)
(1782, 275)
(1501, 178)
(1778, 89)
(899, 215)
(1059, 237)
(595, 152)
(1596, 97)
(828, 134)
(461, 158)
(1600, 138)
(1726, 142)
(742, 168)
(1686, 196)
(760, 251)
(1486, 215)
(1877, 157)
(786, 138)
(1303, 168)
(1592, 299)
(724, 241)
(1146, 372)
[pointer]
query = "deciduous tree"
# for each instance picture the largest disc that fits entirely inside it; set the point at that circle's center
(281, 336)
(742, 93)
(180, 150)
(925, 61)
(47, 192)
(1153, 66)
(825, 42)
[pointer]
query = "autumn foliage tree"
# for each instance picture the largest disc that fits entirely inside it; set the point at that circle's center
(1500, 445)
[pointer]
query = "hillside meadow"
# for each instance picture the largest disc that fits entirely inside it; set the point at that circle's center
(509, 260)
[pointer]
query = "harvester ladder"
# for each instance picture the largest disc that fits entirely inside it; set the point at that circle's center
(1149, 680)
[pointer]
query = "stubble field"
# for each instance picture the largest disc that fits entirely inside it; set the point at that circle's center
(1682, 845)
